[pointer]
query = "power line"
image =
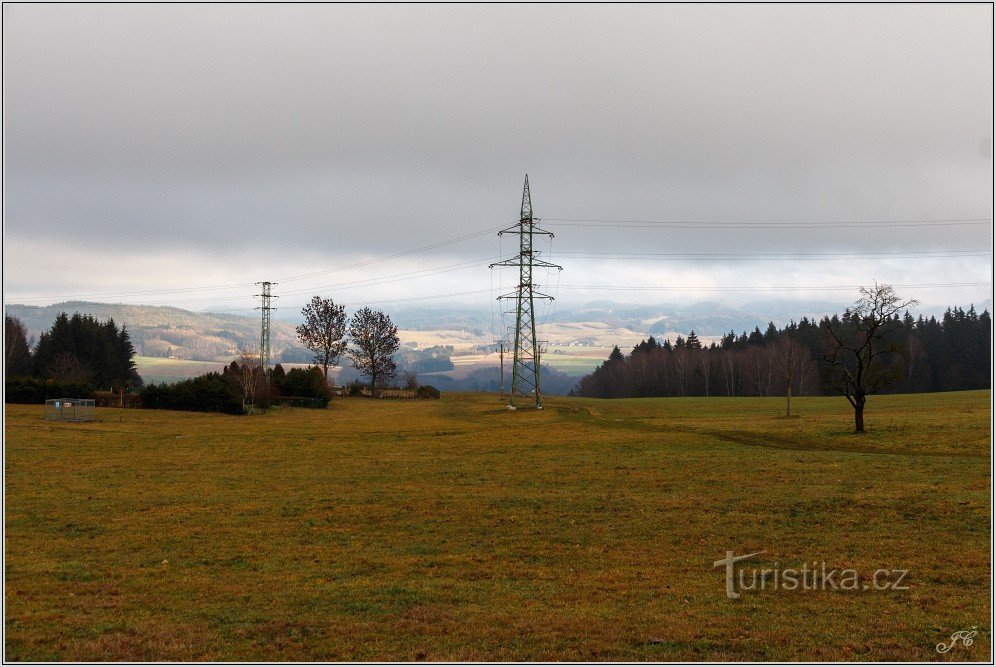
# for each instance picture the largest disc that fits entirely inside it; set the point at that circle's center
(203, 288)
(177, 290)
(426, 298)
(578, 255)
(759, 288)
(405, 253)
(765, 257)
(380, 280)
(740, 288)
(718, 224)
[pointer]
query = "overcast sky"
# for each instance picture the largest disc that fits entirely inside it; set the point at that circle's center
(153, 148)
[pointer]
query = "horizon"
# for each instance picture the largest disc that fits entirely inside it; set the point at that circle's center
(213, 147)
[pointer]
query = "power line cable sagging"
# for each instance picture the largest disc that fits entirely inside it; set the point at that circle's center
(764, 224)
(690, 257)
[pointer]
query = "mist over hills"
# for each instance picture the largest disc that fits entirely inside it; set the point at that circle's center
(708, 318)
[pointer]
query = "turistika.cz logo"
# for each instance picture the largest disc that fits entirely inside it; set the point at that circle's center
(814, 576)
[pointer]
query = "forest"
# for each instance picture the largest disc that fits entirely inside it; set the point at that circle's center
(922, 355)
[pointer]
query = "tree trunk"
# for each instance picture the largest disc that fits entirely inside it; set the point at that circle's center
(373, 375)
(859, 416)
(788, 400)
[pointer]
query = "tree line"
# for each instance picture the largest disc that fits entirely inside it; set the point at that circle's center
(891, 352)
(77, 350)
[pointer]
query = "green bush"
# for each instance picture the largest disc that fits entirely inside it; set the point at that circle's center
(303, 383)
(206, 393)
(38, 390)
(426, 391)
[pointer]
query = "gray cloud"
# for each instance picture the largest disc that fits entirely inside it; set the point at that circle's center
(307, 136)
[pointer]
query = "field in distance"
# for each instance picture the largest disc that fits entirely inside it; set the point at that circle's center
(161, 369)
(456, 530)
(563, 352)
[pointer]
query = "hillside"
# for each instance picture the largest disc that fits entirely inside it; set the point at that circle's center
(165, 331)
(170, 332)
(577, 337)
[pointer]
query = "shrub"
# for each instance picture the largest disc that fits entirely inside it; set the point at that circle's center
(307, 383)
(426, 391)
(38, 390)
(355, 388)
(206, 393)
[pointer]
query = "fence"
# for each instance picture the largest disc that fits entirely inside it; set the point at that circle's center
(70, 409)
(300, 402)
(110, 399)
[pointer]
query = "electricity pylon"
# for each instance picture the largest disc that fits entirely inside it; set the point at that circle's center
(501, 373)
(525, 349)
(264, 328)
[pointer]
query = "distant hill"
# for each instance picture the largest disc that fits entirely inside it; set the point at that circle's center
(165, 331)
(707, 318)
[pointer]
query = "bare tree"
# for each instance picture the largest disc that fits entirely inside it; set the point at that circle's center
(704, 361)
(66, 367)
(323, 331)
(757, 370)
(248, 375)
(915, 355)
(375, 340)
(729, 365)
(681, 364)
(789, 356)
(410, 380)
(859, 347)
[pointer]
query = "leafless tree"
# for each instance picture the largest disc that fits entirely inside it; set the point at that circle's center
(915, 355)
(728, 362)
(859, 346)
(410, 380)
(681, 369)
(758, 370)
(790, 357)
(249, 375)
(705, 367)
(66, 367)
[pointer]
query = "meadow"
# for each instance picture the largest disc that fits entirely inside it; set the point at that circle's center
(456, 530)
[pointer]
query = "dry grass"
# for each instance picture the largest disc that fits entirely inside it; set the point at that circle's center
(454, 530)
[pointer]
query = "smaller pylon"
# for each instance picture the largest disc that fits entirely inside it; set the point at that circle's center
(264, 328)
(501, 365)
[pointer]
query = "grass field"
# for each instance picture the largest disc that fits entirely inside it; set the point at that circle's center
(161, 369)
(455, 530)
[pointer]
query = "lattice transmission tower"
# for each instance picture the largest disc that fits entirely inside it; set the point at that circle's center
(264, 328)
(525, 348)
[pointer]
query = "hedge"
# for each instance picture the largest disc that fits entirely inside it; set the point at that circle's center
(38, 390)
(205, 393)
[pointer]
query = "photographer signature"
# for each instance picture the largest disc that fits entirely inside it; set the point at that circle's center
(966, 637)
